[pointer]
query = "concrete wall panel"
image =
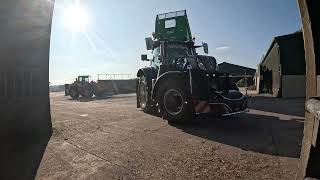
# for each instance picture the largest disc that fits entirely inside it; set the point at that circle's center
(120, 86)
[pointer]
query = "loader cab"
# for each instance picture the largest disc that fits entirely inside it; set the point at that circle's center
(83, 79)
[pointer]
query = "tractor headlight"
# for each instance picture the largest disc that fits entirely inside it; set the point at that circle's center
(201, 66)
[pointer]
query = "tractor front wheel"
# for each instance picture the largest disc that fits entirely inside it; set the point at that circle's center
(174, 102)
(74, 93)
(143, 93)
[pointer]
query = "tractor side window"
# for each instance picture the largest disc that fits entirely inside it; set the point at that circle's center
(83, 79)
(156, 60)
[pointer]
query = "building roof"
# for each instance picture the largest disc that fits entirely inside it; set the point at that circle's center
(235, 70)
(290, 58)
(278, 40)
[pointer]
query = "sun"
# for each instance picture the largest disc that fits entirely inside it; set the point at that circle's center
(76, 18)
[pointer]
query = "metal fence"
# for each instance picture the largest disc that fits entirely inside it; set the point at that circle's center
(116, 76)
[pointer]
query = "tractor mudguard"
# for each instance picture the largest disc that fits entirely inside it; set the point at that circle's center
(177, 75)
(149, 72)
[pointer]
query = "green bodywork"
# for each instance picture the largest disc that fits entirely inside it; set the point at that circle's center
(173, 26)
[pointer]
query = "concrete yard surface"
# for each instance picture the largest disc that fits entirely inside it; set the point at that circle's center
(112, 139)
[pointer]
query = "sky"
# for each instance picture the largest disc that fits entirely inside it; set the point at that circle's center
(90, 37)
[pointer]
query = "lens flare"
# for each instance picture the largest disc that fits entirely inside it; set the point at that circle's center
(76, 18)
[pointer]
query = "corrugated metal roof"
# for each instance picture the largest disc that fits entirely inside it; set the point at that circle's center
(234, 69)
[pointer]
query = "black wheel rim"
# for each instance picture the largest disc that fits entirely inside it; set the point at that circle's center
(173, 102)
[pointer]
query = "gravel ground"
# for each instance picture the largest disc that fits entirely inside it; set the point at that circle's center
(112, 139)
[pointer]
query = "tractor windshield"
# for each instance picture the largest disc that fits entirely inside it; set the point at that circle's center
(177, 50)
(83, 78)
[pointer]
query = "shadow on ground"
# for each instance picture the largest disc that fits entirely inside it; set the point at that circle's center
(288, 106)
(82, 99)
(22, 159)
(256, 132)
(251, 132)
(24, 134)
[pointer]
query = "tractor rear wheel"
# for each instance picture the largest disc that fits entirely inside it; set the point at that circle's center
(74, 93)
(174, 102)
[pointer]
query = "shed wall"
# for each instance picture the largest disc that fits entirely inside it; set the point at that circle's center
(271, 64)
(292, 55)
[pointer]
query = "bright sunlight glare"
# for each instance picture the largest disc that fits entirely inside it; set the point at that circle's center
(76, 18)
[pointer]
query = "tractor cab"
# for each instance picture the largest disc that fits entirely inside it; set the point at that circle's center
(83, 79)
(168, 52)
(176, 53)
(173, 26)
(172, 41)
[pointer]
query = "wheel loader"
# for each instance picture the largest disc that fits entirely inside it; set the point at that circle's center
(83, 87)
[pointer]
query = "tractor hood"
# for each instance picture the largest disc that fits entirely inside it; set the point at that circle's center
(200, 62)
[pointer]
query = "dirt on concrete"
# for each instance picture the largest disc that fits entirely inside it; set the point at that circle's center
(112, 139)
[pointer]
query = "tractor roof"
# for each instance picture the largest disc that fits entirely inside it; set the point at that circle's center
(173, 26)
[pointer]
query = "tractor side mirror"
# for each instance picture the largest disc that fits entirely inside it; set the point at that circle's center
(205, 48)
(144, 57)
(149, 43)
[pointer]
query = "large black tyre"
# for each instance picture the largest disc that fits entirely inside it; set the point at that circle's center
(174, 101)
(74, 93)
(87, 93)
(144, 95)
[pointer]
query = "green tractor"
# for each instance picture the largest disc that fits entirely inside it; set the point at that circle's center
(83, 87)
(179, 83)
